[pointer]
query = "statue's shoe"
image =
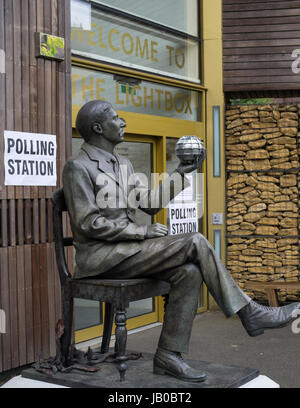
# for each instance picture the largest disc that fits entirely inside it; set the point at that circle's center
(171, 363)
(257, 318)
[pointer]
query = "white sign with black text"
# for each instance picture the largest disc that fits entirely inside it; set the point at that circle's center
(29, 159)
(183, 218)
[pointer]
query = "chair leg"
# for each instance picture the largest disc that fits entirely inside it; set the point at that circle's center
(121, 340)
(67, 317)
(272, 297)
(108, 324)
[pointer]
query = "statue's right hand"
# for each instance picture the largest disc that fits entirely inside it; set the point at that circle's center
(156, 230)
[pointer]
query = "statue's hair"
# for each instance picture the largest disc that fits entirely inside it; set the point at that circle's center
(90, 113)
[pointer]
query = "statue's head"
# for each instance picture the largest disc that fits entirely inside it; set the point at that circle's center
(90, 115)
(99, 124)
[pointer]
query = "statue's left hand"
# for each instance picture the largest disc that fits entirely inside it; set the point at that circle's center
(188, 168)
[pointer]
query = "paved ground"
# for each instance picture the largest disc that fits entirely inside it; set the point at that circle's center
(221, 340)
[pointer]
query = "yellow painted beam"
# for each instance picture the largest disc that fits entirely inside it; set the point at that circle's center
(152, 125)
(213, 81)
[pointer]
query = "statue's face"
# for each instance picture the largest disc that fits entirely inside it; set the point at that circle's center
(113, 127)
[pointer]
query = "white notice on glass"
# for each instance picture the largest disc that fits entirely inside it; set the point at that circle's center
(182, 218)
(29, 159)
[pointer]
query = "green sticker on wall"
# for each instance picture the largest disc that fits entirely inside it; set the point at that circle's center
(50, 46)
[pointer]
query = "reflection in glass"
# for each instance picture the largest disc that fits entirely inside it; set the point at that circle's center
(178, 14)
(217, 142)
(87, 313)
(132, 95)
(140, 307)
(217, 241)
(120, 41)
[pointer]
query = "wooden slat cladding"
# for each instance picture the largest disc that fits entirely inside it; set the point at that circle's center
(259, 38)
(34, 97)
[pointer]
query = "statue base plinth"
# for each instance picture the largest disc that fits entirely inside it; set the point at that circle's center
(140, 375)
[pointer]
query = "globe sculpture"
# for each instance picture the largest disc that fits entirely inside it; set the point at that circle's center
(188, 148)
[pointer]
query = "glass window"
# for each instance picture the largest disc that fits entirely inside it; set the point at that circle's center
(140, 307)
(133, 95)
(87, 313)
(113, 39)
(178, 14)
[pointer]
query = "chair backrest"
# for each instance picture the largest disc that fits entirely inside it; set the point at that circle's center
(59, 206)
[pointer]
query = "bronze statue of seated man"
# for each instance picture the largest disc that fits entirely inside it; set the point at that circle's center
(110, 244)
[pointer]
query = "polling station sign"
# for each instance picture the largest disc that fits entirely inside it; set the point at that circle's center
(182, 218)
(29, 159)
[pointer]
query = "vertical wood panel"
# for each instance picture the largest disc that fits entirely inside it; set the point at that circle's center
(28, 222)
(36, 302)
(35, 210)
(35, 98)
(4, 223)
(258, 42)
(51, 298)
(2, 99)
(43, 220)
(17, 103)
(9, 79)
(50, 220)
(13, 306)
(21, 305)
(12, 222)
(29, 304)
(6, 338)
(44, 300)
(68, 68)
(57, 288)
(20, 229)
(25, 74)
(33, 85)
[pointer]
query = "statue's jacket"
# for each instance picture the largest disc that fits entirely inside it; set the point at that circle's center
(102, 208)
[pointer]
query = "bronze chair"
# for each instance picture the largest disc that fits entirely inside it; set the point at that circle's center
(116, 293)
